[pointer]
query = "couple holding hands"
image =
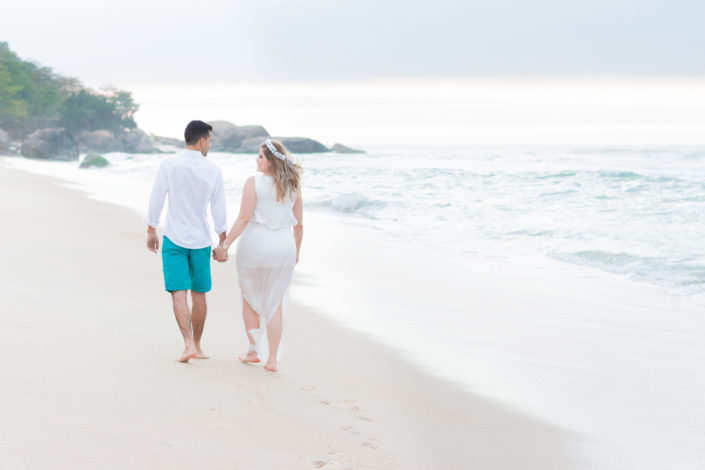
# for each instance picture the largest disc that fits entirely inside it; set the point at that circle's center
(267, 250)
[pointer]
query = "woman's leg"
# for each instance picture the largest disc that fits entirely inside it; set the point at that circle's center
(251, 320)
(274, 335)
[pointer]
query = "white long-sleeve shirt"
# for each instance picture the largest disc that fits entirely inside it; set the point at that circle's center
(192, 182)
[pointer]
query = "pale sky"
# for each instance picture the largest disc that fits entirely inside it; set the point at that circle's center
(218, 41)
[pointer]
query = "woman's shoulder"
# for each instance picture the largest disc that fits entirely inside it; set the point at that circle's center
(250, 182)
(252, 179)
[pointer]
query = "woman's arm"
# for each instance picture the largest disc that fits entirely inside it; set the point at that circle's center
(247, 208)
(299, 228)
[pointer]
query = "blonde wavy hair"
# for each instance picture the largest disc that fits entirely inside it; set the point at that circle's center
(285, 173)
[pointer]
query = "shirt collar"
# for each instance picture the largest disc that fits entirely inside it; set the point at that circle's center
(193, 153)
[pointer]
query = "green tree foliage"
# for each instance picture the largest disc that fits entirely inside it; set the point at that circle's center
(11, 106)
(87, 111)
(124, 105)
(33, 97)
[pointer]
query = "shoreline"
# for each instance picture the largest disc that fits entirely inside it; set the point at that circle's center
(96, 368)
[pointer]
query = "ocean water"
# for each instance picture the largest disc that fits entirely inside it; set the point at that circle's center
(633, 211)
(464, 258)
(637, 212)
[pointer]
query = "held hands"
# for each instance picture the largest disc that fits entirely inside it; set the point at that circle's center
(220, 254)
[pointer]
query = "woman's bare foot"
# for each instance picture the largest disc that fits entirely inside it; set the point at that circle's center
(189, 353)
(199, 354)
(250, 356)
(271, 366)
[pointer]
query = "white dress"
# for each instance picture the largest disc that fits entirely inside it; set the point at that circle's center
(265, 258)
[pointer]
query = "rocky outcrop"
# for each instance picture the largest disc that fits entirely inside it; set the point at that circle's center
(137, 141)
(250, 145)
(234, 141)
(293, 145)
(302, 145)
(340, 148)
(4, 141)
(98, 141)
(130, 141)
(161, 140)
(221, 129)
(94, 161)
(228, 137)
(50, 144)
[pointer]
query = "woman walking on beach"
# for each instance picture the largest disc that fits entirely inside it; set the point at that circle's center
(268, 249)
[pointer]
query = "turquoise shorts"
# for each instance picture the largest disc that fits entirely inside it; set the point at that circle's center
(186, 269)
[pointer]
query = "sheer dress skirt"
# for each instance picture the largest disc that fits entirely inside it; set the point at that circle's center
(265, 260)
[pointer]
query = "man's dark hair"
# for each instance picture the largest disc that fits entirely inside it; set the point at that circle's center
(196, 130)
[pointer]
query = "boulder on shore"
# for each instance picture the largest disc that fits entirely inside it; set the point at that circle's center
(250, 145)
(137, 141)
(340, 148)
(292, 144)
(161, 140)
(101, 140)
(50, 144)
(233, 141)
(221, 129)
(129, 141)
(228, 137)
(302, 145)
(4, 141)
(94, 161)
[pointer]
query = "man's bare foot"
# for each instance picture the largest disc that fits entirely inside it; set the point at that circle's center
(251, 356)
(200, 355)
(271, 366)
(189, 353)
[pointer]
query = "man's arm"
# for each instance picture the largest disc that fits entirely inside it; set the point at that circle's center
(247, 208)
(156, 204)
(218, 209)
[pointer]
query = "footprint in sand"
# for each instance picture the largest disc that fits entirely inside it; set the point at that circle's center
(369, 444)
(349, 429)
(332, 465)
(324, 402)
(354, 410)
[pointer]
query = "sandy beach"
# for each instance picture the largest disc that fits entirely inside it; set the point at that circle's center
(90, 380)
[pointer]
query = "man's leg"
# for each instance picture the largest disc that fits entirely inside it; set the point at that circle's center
(183, 318)
(177, 280)
(200, 269)
(198, 319)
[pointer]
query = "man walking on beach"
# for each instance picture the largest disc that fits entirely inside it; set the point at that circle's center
(192, 182)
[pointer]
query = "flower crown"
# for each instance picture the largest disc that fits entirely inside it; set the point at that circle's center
(274, 150)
